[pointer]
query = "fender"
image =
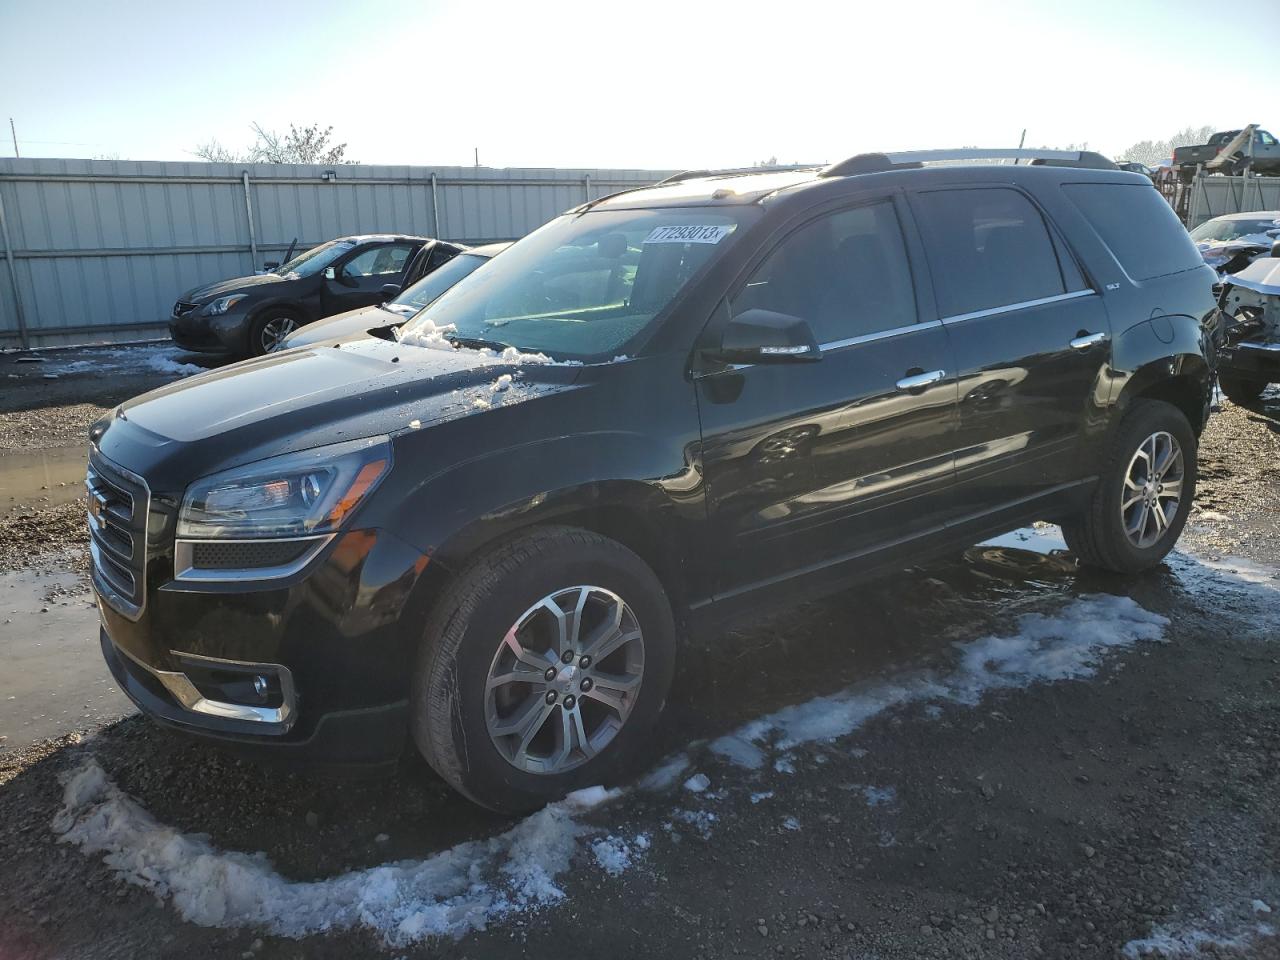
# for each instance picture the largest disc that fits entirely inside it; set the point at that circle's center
(1170, 356)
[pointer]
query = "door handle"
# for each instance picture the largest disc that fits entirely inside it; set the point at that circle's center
(1087, 340)
(920, 380)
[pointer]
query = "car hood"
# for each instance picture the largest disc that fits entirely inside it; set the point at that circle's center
(357, 322)
(1261, 276)
(223, 287)
(311, 396)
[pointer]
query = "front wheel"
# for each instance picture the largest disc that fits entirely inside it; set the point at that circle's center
(1144, 492)
(544, 666)
(1240, 391)
(269, 332)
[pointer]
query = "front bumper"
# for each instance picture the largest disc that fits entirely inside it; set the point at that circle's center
(1251, 360)
(226, 333)
(314, 666)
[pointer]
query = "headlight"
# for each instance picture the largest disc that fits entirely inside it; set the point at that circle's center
(294, 495)
(222, 305)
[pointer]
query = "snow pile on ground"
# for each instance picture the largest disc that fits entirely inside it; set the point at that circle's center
(615, 855)
(1068, 644)
(1192, 943)
(152, 358)
(455, 891)
(159, 363)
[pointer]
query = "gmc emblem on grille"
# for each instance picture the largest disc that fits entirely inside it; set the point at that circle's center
(96, 505)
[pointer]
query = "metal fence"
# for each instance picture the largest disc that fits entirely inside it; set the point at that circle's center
(100, 249)
(1212, 196)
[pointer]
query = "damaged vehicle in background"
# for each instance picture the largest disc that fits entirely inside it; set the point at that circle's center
(1230, 243)
(1249, 357)
(394, 313)
(665, 408)
(250, 316)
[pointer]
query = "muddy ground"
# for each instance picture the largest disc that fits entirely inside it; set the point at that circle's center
(1130, 811)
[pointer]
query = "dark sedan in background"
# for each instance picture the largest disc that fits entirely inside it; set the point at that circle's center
(396, 312)
(249, 316)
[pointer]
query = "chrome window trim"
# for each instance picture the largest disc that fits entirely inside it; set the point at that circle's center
(185, 572)
(192, 700)
(878, 335)
(1025, 304)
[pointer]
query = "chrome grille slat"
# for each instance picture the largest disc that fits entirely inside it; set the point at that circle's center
(118, 503)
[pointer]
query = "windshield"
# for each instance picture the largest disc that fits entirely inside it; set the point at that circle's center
(1233, 229)
(437, 282)
(583, 286)
(315, 259)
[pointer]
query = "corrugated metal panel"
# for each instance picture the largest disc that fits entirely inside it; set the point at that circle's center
(1213, 196)
(101, 249)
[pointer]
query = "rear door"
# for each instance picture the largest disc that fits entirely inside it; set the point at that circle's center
(1032, 342)
(811, 464)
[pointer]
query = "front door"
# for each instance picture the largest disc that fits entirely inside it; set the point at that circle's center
(358, 280)
(1032, 343)
(809, 464)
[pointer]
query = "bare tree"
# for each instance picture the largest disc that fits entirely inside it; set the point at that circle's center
(309, 144)
(1152, 152)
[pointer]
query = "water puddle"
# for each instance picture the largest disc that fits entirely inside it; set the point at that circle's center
(53, 679)
(44, 478)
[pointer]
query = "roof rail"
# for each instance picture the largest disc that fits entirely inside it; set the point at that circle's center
(734, 171)
(909, 159)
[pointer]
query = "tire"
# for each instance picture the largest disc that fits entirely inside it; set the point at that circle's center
(454, 711)
(1098, 537)
(1240, 391)
(263, 338)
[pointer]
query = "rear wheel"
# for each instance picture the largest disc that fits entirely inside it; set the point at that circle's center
(543, 667)
(1241, 391)
(1144, 492)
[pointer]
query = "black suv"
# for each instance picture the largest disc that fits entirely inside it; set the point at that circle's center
(658, 409)
(250, 316)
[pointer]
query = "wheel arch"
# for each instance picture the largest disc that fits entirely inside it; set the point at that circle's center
(1185, 381)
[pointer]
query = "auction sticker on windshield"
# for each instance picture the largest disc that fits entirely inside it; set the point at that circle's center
(690, 234)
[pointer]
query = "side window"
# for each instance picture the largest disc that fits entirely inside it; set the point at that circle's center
(845, 273)
(387, 259)
(987, 248)
(1138, 227)
(1266, 139)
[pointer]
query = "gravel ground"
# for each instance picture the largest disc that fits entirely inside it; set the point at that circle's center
(1130, 811)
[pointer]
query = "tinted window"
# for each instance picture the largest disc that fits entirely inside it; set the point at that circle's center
(987, 248)
(387, 259)
(845, 273)
(438, 281)
(1137, 225)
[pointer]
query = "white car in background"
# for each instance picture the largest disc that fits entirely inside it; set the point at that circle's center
(1230, 243)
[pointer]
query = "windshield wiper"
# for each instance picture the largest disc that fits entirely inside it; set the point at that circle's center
(478, 343)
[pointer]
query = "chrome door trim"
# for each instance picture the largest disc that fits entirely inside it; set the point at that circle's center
(1025, 304)
(878, 335)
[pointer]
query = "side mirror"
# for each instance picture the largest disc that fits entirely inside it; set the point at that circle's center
(389, 290)
(1275, 250)
(763, 336)
(330, 273)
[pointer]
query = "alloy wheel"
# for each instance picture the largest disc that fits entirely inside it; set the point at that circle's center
(564, 680)
(274, 332)
(1152, 493)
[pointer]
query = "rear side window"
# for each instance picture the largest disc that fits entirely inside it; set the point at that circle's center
(988, 248)
(1137, 225)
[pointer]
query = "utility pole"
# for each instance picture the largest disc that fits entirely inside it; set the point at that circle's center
(14, 134)
(1022, 139)
(477, 158)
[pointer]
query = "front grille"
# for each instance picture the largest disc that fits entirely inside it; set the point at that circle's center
(181, 307)
(117, 503)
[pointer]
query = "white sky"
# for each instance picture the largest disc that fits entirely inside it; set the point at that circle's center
(654, 84)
